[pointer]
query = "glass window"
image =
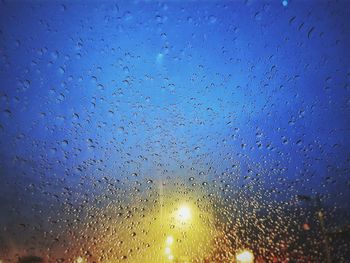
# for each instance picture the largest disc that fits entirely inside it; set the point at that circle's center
(174, 131)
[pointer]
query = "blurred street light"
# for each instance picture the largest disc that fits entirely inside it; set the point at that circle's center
(245, 256)
(184, 213)
(169, 240)
(80, 260)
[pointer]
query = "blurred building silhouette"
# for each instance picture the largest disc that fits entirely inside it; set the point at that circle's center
(31, 259)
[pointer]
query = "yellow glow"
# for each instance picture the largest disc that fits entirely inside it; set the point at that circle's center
(169, 240)
(184, 213)
(175, 222)
(245, 256)
(79, 260)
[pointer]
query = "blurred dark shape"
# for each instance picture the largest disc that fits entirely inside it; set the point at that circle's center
(341, 232)
(31, 259)
(304, 198)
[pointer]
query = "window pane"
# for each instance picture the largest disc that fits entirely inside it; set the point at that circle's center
(174, 131)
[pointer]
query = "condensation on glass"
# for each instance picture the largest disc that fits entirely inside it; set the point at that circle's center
(174, 131)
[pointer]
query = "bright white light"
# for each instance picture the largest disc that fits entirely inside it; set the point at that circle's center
(245, 256)
(170, 257)
(167, 250)
(184, 213)
(169, 240)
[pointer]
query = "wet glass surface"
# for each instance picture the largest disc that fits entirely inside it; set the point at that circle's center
(174, 131)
